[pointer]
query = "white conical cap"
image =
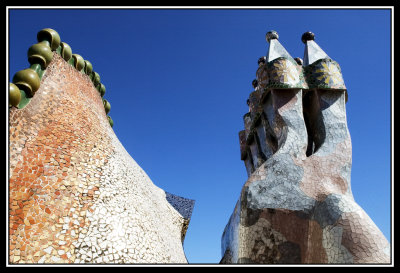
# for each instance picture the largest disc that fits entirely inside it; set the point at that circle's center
(275, 49)
(312, 52)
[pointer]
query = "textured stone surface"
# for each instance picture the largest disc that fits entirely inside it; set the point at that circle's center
(75, 194)
(297, 205)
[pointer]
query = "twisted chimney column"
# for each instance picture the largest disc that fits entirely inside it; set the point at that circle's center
(297, 207)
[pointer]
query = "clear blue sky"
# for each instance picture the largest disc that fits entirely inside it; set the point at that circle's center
(178, 81)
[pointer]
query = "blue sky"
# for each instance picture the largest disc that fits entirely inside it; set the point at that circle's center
(178, 81)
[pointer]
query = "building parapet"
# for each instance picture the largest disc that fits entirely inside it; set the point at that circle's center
(26, 82)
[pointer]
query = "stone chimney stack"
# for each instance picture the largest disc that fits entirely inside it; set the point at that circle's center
(297, 205)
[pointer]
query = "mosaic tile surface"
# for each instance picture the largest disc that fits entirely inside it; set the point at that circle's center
(324, 74)
(297, 205)
(75, 194)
